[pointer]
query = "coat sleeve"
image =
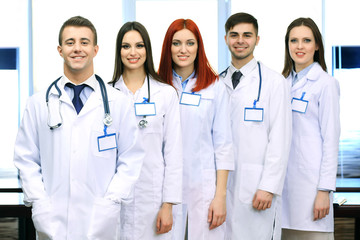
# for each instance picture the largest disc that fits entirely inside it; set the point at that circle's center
(27, 155)
(172, 150)
(279, 136)
(130, 155)
(222, 136)
(329, 120)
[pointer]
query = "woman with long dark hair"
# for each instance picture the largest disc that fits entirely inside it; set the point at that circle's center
(311, 173)
(149, 214)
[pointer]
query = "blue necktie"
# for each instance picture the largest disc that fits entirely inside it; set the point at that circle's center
(78, 104)
(236, 78)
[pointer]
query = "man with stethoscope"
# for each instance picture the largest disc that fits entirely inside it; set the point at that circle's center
(261, 127)
(77, 148)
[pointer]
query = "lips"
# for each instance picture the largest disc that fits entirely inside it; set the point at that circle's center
(183, 57)
(133, 60)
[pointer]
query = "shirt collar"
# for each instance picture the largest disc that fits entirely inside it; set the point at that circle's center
(246, 69)
(302, 73)
(91, 81)
(179, 77)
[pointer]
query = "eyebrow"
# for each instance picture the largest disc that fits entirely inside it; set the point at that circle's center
(236, 33)
(191, 39)
(135, 43)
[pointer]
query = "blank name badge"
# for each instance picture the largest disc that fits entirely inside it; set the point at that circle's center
(254, 114)
(299, 105)
(145, 109)
(191, 99)
(107, 142)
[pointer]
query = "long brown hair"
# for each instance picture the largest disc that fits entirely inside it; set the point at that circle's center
(319, 54)
(149, 64)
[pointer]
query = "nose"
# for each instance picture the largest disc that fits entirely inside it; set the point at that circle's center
(240, 39)
(77, 47)
(183, 48)
(132, 51)
(300, 45)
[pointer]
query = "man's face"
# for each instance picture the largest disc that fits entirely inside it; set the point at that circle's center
(241, 41)
(78, 50)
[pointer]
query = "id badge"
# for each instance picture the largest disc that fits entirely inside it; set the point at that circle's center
(299, 105)
(145, 109)
(254, 114)
(191, 99)
(107, 142)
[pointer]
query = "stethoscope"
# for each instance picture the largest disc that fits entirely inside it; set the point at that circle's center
(107, 119)
(143, 123)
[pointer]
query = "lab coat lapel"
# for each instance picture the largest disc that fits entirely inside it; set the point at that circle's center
(94, 100)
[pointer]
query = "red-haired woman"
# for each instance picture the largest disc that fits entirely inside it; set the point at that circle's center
(207, 139)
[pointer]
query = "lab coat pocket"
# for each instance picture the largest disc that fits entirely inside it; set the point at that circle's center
(105, 220)
(42, 219)
(250, 175)
(110, 153)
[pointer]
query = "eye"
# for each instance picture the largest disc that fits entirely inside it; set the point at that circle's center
(191, 43)
(70, 43)
(140, 45)
(233, 35)
(293, 40)
(176, 44)
(125, 46)
(247, 35)
(85, 43)
(307, 40)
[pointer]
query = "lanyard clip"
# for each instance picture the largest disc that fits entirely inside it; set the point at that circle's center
(145, 100)
(254, 104)
(302, 96)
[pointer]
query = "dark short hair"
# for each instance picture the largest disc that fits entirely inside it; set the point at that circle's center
(78, 21)
(241, 18)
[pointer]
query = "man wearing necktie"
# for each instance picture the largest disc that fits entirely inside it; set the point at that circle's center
(261, 127)
(76, 176)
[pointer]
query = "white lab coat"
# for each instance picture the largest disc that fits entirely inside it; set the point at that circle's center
(261, 153)
(314, 151)
(207, 144)
(74, 189)
(161, 174)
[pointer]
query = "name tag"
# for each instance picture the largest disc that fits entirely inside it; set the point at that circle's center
(191, 99)
(254, 114)
(107, 142)
(299, 105)
(145, 109)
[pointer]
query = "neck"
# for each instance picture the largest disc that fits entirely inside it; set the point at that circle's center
(239, 63)
(77, 77)
(134, 79)
(184, 72)
(299, 68)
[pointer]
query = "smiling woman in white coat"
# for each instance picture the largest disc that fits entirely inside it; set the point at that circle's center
(207, 141)
(311, 174)
(156, 108)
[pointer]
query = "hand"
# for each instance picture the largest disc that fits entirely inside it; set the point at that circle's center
(262, 200)
(321, 205)
(217, 211)
(164, 219)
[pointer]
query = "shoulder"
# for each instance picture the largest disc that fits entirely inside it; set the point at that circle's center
(270, 73)
(224, 73)
(163, 87)
(317, 73)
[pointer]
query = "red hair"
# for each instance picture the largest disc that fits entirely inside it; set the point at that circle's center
(203, 70)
